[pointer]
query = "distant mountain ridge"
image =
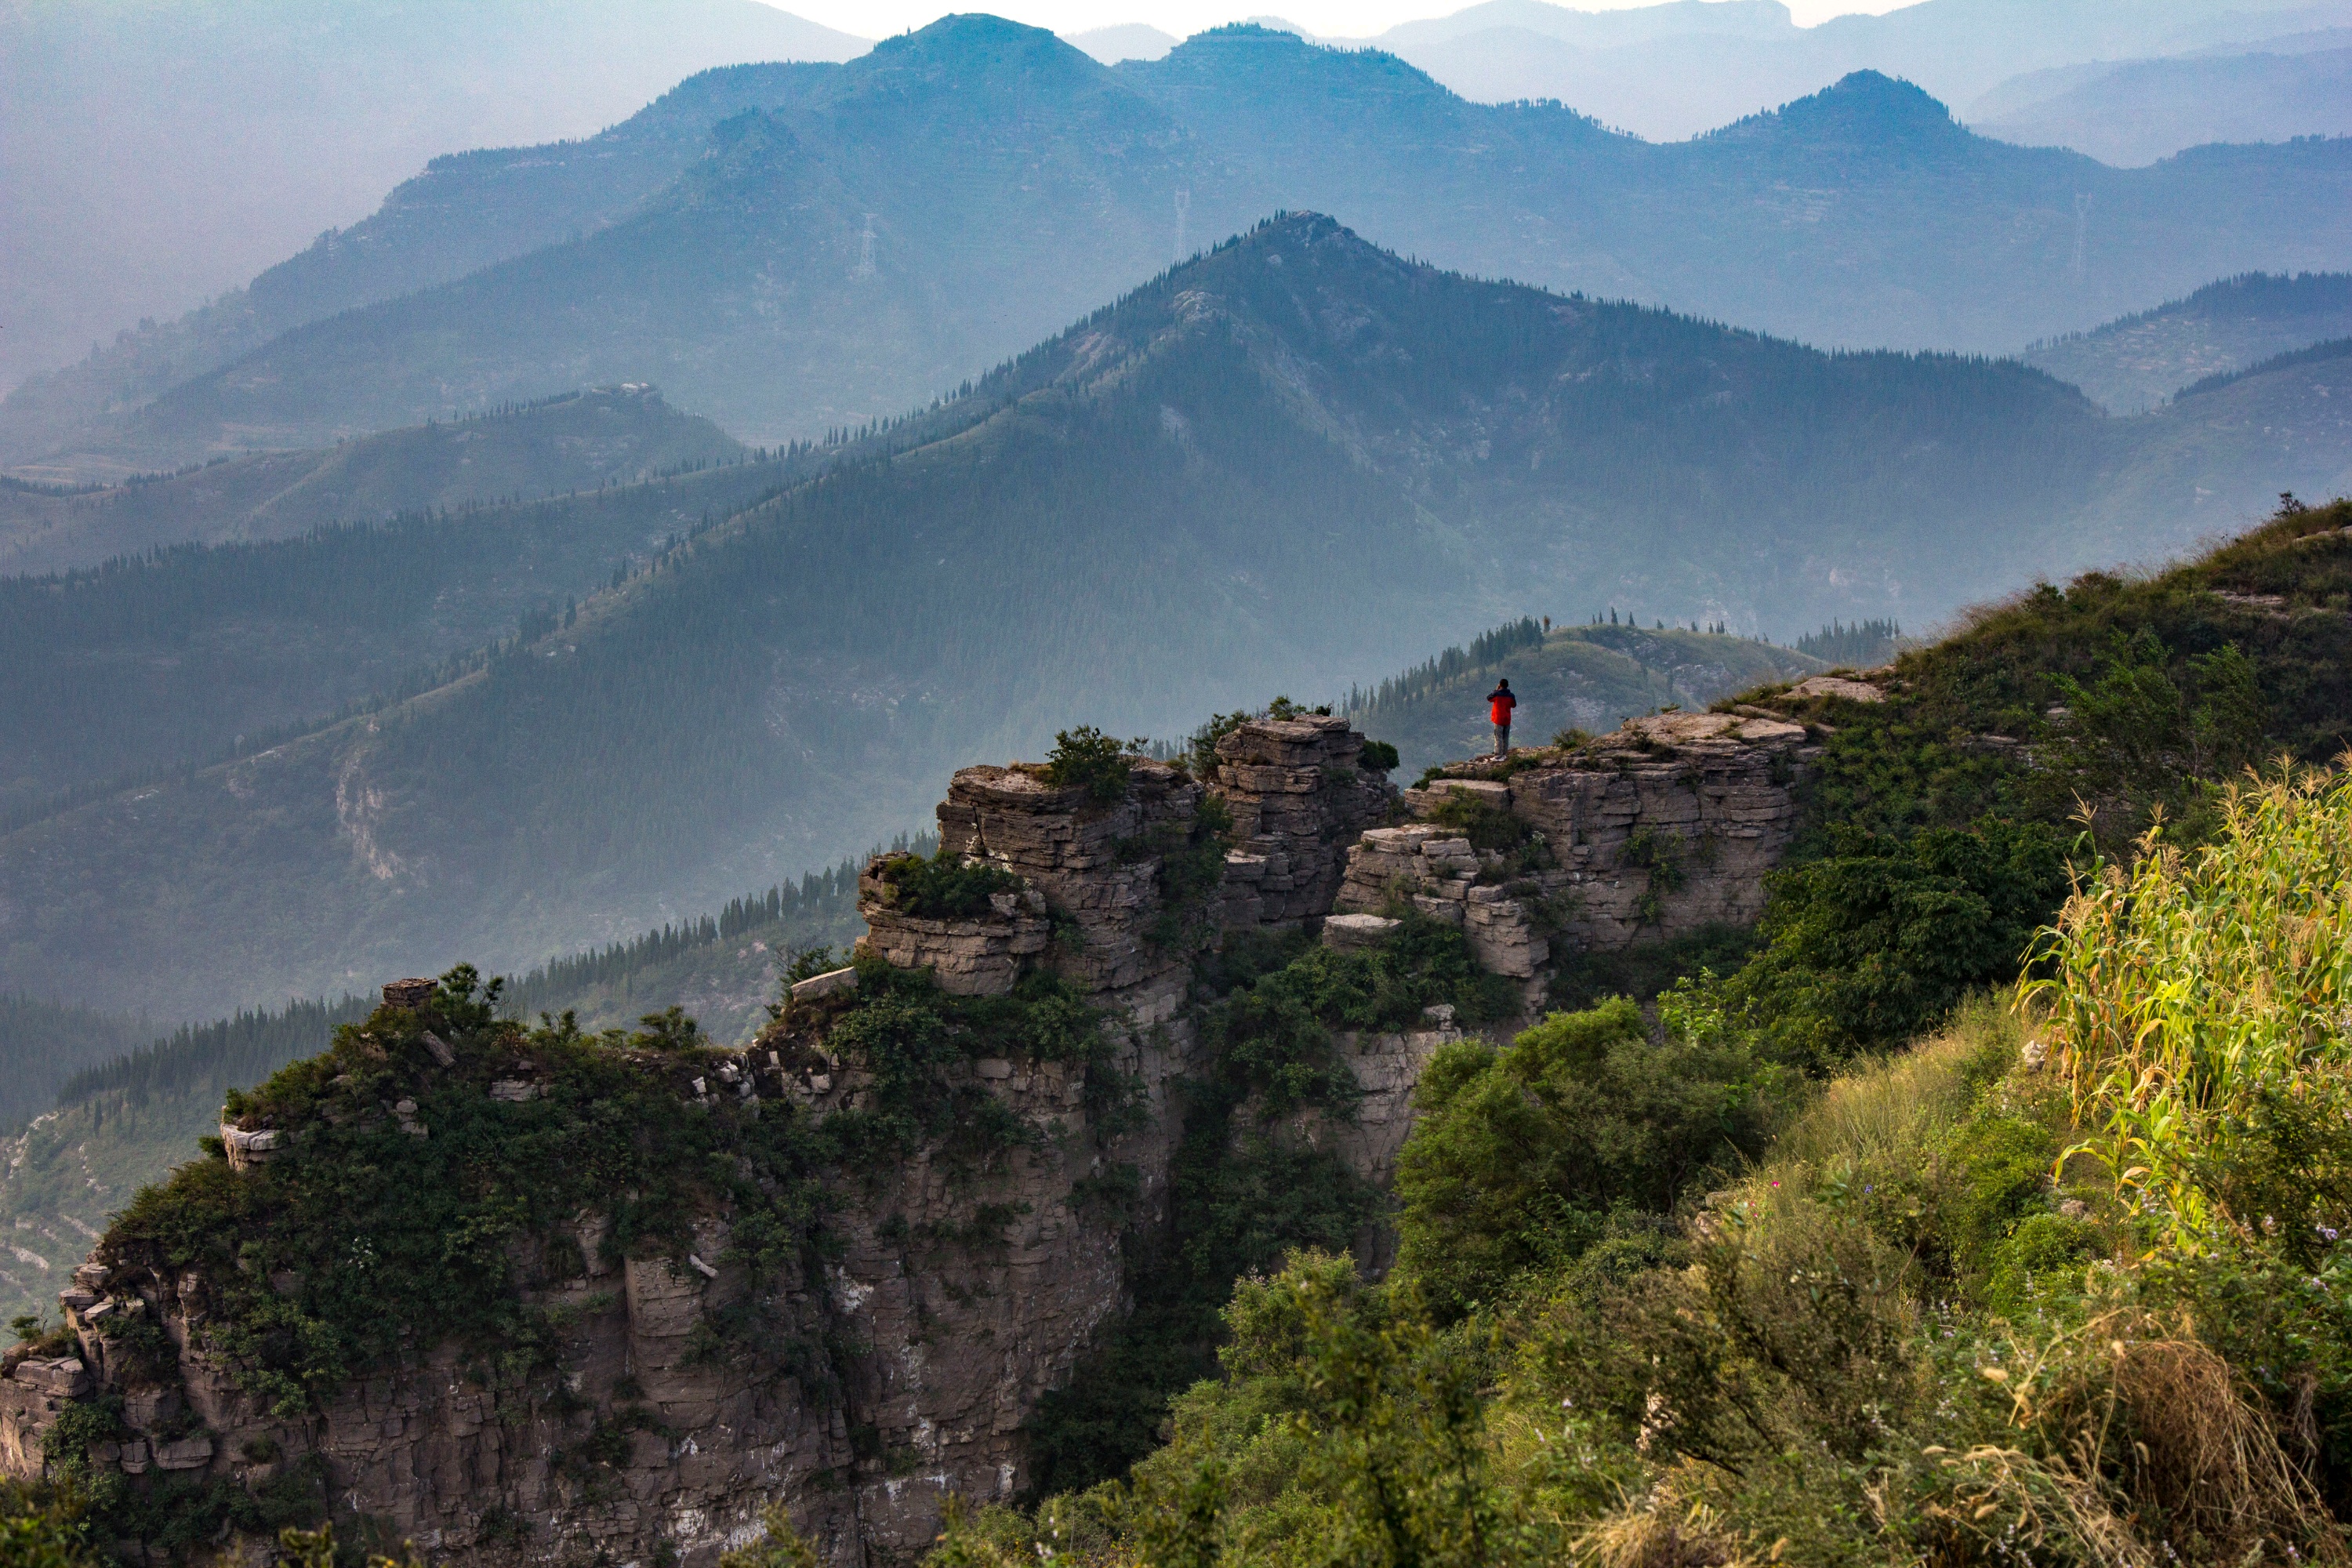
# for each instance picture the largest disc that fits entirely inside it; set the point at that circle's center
(2135, 111)
(1292, 464)
(749, 290)
(2136, 362)
(1671, 71)
(154, 152)
(610, 435)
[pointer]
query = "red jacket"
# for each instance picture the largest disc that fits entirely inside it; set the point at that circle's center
(1499, 704)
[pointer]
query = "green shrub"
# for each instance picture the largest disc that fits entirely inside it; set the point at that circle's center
(1085, 758)
(43, 1525)
(1875, 943)
(1522, 1154)
(1378, 757)
(945, 886)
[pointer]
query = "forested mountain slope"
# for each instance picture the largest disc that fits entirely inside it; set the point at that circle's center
(578, 441)
(2137, 361)
(196, 653)
(1286, 465)
(1011, 183)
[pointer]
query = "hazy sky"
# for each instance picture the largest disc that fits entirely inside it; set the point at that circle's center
(1343, 19)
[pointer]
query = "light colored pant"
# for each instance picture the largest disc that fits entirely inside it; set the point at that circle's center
(1502, 739)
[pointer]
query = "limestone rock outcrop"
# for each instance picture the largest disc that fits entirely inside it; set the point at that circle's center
(1298, 795)
(1665, 826)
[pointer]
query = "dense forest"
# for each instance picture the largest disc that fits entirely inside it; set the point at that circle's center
(2137, 361)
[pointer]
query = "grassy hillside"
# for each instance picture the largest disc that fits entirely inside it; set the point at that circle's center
(126, 1118)
(1011, 184)
(584, 440)
(2136, 362)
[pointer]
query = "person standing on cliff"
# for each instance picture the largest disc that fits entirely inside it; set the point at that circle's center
(1499, 704)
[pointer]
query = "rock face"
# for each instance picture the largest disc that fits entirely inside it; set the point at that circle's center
(1663, 827)
(950, 1302)
(1299, 798)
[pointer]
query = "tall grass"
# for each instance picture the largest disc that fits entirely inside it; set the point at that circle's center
(2197, 1002)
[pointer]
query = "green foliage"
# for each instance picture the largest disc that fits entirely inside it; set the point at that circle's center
(393, 1239)
(945, 886)
(1861, 646)
(909, 1033)
(1875, 942)
(1378, 757)
(2135, 742)
(1201, 747)
(299, 1548)
(1085, 758)
(43, 1525)
(1524, 1155)
(1246, 1187)
(1584, 977)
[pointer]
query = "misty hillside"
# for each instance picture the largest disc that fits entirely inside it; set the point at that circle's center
(154, 152)
(1290, 465)
(1672, 70)
(743, 288)
(192, 654)
(584, 440)
(2139, 361)
(2135, 111)
(464, 211)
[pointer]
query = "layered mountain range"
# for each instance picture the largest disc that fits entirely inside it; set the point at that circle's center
(793, 249)
(1299, 460)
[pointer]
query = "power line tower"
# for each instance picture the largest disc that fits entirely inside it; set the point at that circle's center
(2082, 237)
(1184, 210)
(865, 250)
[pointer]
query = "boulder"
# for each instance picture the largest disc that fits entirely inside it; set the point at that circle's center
(1353, 933)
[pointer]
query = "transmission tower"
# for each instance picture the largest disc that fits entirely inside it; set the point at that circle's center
(1184, 209)
(865, 250)
(2081, 236)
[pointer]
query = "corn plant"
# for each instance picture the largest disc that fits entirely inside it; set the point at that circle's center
(2200, 1007)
